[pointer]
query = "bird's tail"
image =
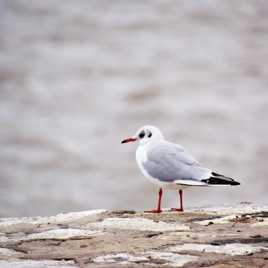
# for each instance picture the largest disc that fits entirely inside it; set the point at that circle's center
(220, 180)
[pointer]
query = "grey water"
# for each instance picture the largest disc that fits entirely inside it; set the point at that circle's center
(76, 77)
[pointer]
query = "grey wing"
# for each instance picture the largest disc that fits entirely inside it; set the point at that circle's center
(169, 162)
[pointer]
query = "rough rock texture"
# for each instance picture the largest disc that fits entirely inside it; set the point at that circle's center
(212, 237)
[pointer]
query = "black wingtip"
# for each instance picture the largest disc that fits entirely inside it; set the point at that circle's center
(221, 180)
(233, 183)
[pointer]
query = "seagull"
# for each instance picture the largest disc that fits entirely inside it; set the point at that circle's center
(170, 166)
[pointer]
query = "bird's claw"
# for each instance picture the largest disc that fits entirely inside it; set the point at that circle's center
(153, 211)
(176, 209)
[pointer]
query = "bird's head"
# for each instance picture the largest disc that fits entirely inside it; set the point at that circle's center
(145, 134)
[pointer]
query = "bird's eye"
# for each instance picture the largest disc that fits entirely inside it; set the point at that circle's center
(150, 134)
(142, 134)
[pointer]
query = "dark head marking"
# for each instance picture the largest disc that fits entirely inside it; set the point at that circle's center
(150, 134)
(142, 134)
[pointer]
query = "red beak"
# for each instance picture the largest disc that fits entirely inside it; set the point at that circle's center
(128, 140)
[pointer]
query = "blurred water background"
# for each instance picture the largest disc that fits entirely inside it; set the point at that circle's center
(78, 76)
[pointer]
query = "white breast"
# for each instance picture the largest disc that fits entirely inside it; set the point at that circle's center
(141, 157)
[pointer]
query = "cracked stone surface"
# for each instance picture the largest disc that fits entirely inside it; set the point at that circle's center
(209, 237)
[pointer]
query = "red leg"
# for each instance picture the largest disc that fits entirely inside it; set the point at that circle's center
(158, 209)
(181, 202)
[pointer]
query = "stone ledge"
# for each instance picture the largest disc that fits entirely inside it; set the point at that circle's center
(207, 237)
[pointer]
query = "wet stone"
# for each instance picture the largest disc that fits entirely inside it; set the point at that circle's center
(213, 237)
